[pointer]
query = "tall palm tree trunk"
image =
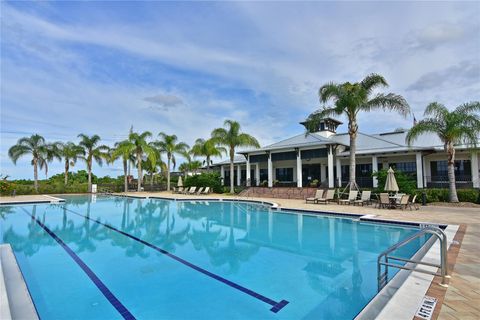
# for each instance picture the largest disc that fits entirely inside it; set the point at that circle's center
(35, 174)
(451, 173)
(89, 167)
(140, 175)
(168, 171)
(232, 154)
(208, 163)
(125, 176)
(352, 131)
(67, 167)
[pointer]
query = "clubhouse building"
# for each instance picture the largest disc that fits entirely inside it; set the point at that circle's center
(321, 158)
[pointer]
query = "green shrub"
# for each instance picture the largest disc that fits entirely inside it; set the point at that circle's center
(442, 195)
(469, 195)
(209, 179)
(406, 183)
(6, 187)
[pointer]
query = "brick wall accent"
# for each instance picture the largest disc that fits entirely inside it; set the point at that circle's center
(280, 192)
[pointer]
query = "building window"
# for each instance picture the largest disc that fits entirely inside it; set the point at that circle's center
(361, 170)
(284, 174)
(405, 167)
(263, 175)
(440, 168)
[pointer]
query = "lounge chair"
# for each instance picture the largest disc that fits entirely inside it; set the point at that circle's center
(384, 201)
(329, 195)
(352, 196)
(364, 198)
(189, 190)
(318, 194)
(413, 203)
(403, 202)
(199, 191)
(206, 190)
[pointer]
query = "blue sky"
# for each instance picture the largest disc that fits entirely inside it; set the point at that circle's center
(183, 68)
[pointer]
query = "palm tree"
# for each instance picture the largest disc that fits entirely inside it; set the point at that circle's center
(207, 148)
(92, 151)
(52, 151)
(70, 153)
(142, 147)
(460, 126)
(123, 149)
(231, 137)
(35, 146)
(170, 146)
(352, 98)
(190, 165)
(152, 167)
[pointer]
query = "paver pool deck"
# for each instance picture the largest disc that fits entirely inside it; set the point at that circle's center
(462, 298)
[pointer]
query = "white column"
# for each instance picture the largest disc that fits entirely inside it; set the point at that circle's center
(330, 167)
(270, 171)
(222, 174)
(239, 175)
(249, 183)
(257, 173)
(474, 165)
(425, 171)
(374, 169)
(299, 169)
(419, 164)
(339, 172)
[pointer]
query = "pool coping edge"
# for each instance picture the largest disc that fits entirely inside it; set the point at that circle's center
(19, 301)
(402, 296)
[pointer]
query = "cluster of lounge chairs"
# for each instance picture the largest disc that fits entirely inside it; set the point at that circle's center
(384, 200)
(192, 190)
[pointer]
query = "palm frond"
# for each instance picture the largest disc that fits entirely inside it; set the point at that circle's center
(422, 127)
(469, 108)
(373, 81)
(389, 101)
(436, 110)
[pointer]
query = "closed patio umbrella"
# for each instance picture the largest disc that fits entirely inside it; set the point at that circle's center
(391, 183)
(180, 182)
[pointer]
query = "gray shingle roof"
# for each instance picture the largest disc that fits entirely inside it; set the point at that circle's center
(366, 143)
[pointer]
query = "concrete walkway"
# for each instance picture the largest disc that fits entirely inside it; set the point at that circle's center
(35, 198)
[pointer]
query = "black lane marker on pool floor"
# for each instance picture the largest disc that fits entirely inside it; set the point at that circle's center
(276, 305)
(100, 285)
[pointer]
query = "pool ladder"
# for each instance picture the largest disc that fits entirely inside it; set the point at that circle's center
(384, 259)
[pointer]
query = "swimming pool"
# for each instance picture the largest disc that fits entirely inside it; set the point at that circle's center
(111, 257)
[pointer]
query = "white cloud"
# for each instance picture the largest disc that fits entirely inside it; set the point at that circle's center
(280, 53)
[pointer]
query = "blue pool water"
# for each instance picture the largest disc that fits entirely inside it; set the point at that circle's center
(112, 257)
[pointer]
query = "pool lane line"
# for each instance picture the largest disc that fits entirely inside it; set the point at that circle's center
(276, 305)
(95, 279)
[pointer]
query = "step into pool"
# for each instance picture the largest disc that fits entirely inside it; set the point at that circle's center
(106, 257)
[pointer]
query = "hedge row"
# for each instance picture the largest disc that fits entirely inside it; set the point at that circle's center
(212, 180)
(6, 188)
(441, 195)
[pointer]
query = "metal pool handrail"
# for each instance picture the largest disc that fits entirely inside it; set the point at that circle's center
(382, 278)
